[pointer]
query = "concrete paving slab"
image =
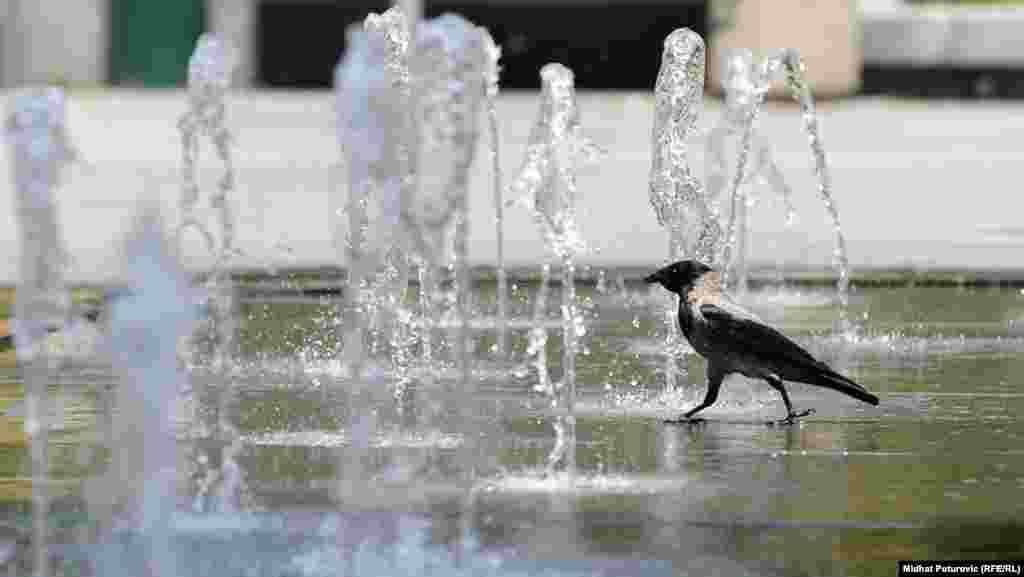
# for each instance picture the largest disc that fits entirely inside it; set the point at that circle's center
(919, 184)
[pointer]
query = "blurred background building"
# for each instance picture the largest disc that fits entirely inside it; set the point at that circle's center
(296, 43)
(121, 42)
(921, 47)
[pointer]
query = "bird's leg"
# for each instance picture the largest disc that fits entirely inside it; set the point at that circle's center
(715, 378)
(791, 417)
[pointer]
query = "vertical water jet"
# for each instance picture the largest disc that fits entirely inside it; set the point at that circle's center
(492, 73)
(36, 133)
(209, 77)
(147, 322)
(546, 183)
(792, 67)
(449, 76)
(372, 132)
(788, 64)
(740, 84)
(681, 203)
(371, 82)
(210, 69)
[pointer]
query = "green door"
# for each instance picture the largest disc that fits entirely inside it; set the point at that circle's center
(151, 40)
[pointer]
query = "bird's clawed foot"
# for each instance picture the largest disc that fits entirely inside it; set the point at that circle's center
(791, 418)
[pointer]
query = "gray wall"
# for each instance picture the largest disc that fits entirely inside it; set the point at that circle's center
(46, 40)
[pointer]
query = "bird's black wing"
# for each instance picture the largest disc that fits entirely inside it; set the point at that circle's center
(759, 345)
(756, 341)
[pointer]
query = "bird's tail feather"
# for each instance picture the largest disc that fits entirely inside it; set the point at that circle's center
(837, 382)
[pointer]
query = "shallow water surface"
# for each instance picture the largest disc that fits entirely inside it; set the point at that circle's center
(452, 477)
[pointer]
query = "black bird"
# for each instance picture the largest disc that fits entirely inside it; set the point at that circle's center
(735, 341)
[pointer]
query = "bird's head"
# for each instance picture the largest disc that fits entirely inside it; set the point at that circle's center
(679, 277)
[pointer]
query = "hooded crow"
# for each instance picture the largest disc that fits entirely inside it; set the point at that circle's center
(733, 340)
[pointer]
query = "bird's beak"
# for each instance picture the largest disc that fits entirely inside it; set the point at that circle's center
(653, 278)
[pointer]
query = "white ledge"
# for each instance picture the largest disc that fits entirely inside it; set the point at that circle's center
(898, 34)
(917, 183)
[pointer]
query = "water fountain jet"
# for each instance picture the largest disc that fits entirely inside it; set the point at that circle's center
(449, 76)
(740, 82)
(209, 77)
(36, 131)
(372, 83)
(691, 212)
(370, 128)
(147, 323)
(409, 113)
(440, 81)
(680, 201)
(546, 183)
(492, 75)
(788, 64)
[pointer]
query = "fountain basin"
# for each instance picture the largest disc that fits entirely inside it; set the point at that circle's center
(932, 472)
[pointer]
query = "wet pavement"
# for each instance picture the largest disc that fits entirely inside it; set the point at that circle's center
(459, 483)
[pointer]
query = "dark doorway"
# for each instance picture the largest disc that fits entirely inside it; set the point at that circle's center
(609, 45)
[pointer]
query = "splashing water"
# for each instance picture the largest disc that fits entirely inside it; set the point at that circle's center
(389, 286)
(678, 196)
(789, 65)
(451, 79)
(792, 66)
(146, 324)
(408, 123)
(368, 82)
(209, 76)
(449, 73)
(397, 30)
(740, 83)
(547, 184)
(492, 73)
(745, 125)
(536, 347)
(369, 98)
(681, 203)
(420, 109)
(36, 132)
